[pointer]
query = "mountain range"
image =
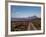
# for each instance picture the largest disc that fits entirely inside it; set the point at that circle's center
(25, 19)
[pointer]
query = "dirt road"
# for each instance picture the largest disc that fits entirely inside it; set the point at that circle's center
(31, 26)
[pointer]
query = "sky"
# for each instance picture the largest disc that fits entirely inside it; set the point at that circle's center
(25, 11)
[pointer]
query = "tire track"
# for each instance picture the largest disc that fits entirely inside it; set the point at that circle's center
(31, 25)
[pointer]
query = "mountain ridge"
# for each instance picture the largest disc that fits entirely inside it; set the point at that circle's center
(24, 19)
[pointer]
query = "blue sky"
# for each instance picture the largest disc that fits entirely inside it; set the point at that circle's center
(25, 11)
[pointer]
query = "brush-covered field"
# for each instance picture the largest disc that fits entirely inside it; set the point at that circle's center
(35, 24)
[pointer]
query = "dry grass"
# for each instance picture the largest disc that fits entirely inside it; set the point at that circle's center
(23, 25)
